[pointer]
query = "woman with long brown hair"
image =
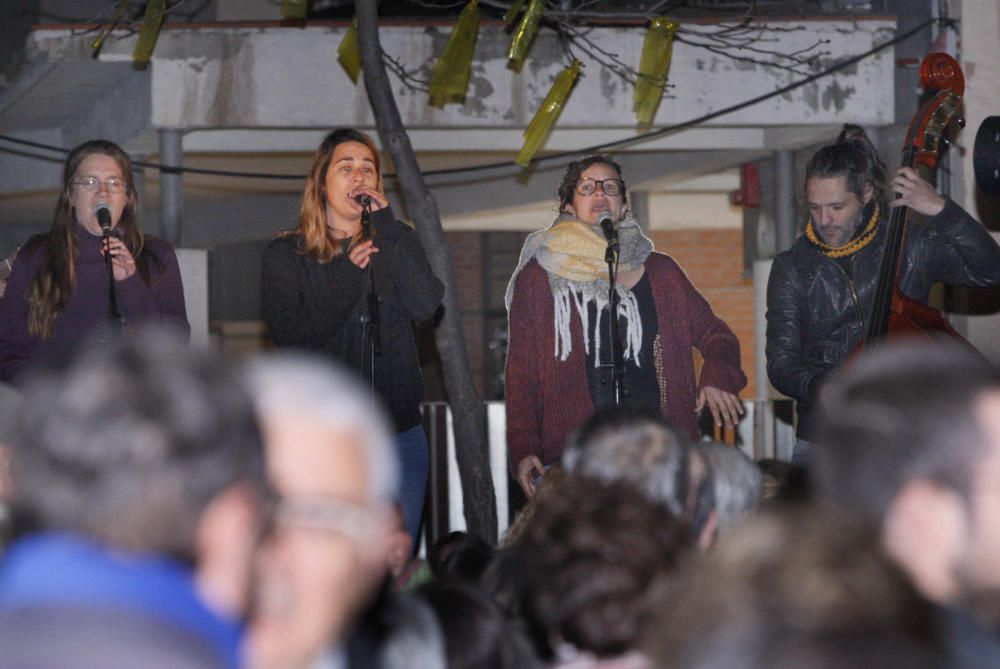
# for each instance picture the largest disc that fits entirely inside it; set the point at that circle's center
(316, 282)
(58, 291)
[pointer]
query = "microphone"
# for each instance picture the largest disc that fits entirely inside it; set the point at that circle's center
(102, 210)
(364, 200)
(607, 223)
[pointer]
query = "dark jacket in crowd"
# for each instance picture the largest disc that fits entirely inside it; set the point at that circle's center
(818, 308)
(319, 307)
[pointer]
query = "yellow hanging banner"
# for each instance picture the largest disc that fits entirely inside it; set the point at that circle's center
(151, 22)
(450, 78)
(349, 52)
(512, 13)
(524, 33)
(654, 68)
(294, 9)
(546, 116)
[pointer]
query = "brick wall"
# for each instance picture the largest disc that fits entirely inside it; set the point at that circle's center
(713, 260)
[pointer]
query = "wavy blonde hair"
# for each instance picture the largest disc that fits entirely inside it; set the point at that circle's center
(314, 236)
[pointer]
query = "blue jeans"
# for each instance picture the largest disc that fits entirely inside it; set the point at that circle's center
(411, 451)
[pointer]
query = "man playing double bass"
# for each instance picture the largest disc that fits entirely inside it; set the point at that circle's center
(820, 292)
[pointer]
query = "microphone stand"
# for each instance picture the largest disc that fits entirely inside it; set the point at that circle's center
(371, 337)
(114, 315)
(617, 363)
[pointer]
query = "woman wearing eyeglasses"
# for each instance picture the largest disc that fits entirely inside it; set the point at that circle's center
(58, 291)
(558, 353)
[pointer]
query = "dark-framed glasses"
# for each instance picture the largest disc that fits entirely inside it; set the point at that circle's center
(609, 186)
(114, 185)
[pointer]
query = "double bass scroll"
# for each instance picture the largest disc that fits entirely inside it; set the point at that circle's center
(893, 313)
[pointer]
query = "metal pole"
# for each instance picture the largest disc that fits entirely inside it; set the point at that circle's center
(784, 169)
(171, 188)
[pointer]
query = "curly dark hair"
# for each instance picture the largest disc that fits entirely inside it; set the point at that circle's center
(595, 559)
(573, 171)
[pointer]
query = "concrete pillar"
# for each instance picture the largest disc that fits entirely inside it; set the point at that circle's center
(784, 172)
(171, 188)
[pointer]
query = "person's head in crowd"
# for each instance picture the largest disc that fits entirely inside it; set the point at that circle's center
(410, 636)
(782, 482)
(911, 445)
(460, 556)
(330, 462)
(736, 481)
(140, 447)
(594, 561)
(635, 445)
(96, 172)
(625, 444)
(793, 590)
(477, 633)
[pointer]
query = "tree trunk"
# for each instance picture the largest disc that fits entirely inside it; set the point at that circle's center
(467, 407)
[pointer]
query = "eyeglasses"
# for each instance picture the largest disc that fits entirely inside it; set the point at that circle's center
(114, 185)
(324, 514)
(610, 187)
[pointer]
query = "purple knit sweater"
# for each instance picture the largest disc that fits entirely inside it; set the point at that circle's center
(162, 300)
(547, 399)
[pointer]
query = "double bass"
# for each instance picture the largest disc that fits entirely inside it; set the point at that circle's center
(893, 313)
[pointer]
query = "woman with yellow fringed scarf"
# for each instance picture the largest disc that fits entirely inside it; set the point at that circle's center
(559, 344)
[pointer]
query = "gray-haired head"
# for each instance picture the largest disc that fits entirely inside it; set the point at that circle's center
(295, 384)
(128, 442)
(620, 444)
(736, 479)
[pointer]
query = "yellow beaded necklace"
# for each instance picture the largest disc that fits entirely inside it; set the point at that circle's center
(850, 248)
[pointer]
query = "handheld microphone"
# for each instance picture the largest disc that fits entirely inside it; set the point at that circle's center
(102, 210)
(364, 200)
(607, 223)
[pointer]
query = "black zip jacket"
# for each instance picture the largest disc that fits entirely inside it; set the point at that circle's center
(818, 309)
(319, 308)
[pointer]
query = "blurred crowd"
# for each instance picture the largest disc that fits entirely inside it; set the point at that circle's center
(169, 509)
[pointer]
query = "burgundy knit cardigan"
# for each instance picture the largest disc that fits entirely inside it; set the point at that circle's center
(547, 399)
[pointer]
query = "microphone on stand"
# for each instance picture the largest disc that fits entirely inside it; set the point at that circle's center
(608, 227)
(366, 215)
(102, 210)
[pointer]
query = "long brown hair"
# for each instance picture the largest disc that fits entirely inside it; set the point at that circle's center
(315, 238)
(50, 290)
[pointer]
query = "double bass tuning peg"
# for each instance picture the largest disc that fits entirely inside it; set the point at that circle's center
(960, 121)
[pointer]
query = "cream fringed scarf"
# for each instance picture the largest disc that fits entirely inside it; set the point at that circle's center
(572, 253)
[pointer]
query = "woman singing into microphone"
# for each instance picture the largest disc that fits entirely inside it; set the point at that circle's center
(58, 291)
(559, 345)
(315, 290)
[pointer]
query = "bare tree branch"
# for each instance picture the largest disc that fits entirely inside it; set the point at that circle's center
(469, 414)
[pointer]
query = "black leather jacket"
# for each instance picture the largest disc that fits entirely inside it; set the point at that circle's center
(818, 309)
